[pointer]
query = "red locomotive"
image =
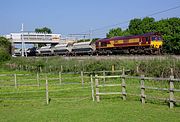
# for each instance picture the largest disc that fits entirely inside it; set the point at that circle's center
(149, 43)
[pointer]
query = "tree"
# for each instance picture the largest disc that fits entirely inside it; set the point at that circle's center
(43, 30)
(170, 29)
(148, 25)
(135, 26)
(141, 26)
(5, 49)
(114, 32)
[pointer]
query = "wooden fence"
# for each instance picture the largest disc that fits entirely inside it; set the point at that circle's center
(103, 75)
(39, 82)
(45, 81)
(142, 87)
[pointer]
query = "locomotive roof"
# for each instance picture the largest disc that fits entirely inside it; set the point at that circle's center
(128, 37)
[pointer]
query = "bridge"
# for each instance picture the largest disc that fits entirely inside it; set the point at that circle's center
(24, 38)
(35, 41)
(34, 38)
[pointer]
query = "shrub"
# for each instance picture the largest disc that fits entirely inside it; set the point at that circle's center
(4, 55)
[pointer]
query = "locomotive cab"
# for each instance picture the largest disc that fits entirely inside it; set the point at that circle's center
(156, 41)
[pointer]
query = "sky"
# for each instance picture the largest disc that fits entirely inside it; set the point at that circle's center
(79, 16)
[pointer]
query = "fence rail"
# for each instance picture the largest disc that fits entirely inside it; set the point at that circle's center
(26, 86)
(138, 77)
(142, 87)
(46, 80)
(38, 77)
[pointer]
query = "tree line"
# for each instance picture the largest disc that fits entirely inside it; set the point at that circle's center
(43, 30)
(169, 28)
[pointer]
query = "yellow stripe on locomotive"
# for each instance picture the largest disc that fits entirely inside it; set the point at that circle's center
(156, 42)
(135, 40)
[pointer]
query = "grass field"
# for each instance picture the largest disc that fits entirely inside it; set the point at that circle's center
(88, 111)
(70, 102)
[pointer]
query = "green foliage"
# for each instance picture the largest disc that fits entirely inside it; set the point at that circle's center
(114, 32)
(4, 43)
(43, 30)
(152, 67)
(4, 55)
(157, 68)
(141, 26)
(170, 29)
(5, 49)
(135, 26)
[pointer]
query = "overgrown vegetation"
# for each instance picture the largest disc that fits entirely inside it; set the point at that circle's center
(158, 67)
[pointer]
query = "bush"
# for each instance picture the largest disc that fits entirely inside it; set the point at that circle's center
(4, 55)
(5, 47)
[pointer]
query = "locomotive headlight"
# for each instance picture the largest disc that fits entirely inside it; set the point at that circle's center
(156, 44)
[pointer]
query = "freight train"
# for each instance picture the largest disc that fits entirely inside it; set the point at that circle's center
(149, 43)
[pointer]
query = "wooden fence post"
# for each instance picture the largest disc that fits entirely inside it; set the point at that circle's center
(82, 78)
(123, 85)
(104, 74)
(171, 92)
(172, 73)
(142, 90)
(113, 68)
(61, 68)
(40, 69)
(60, 79)
(92, 87)
(15, 81)
(137, 69)
(97, 88)
(37, 77)
(47, 93)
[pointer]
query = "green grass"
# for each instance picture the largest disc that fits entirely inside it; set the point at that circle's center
(88, 111)
(73, 103)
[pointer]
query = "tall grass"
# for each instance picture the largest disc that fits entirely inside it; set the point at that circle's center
(151, 67)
